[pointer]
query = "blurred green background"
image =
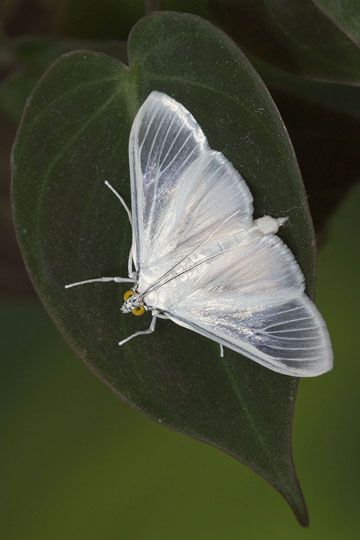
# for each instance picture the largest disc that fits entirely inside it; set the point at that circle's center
(77, 463)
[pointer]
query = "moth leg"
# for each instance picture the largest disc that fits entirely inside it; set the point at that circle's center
(159, 314)
(126, 208)
(100, 280)
(150, 330)
(221, 350)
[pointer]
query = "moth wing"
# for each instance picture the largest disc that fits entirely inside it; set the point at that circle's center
(251, 299)
(274, 336)
(239, 289)
(181, 189)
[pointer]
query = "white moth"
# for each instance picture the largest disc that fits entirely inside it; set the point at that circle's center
(201, 259)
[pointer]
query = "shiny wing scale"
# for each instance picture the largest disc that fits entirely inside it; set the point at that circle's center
(182, 191)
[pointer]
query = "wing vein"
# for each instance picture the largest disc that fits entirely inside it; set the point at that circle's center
(176, 155)
(294, 330)
(148, 129)
(169, 150)
(154, 140)
(287, 322)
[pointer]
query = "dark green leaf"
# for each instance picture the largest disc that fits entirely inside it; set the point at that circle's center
(74, 135)
(30, 57)
(318, 39)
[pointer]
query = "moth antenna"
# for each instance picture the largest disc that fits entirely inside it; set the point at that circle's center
(125, 206)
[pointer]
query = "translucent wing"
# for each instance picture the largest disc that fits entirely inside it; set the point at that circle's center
(203, 260)
(287, 337)
(250, 298)
(181, 189)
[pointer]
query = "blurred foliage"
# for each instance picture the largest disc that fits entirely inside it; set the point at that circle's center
(313, 38)
(88, 19)
(91, 19)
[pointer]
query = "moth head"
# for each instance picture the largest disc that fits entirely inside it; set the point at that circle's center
(133, 303)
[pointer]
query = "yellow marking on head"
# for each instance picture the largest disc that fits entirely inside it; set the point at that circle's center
(138, 311)
(128, 294)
